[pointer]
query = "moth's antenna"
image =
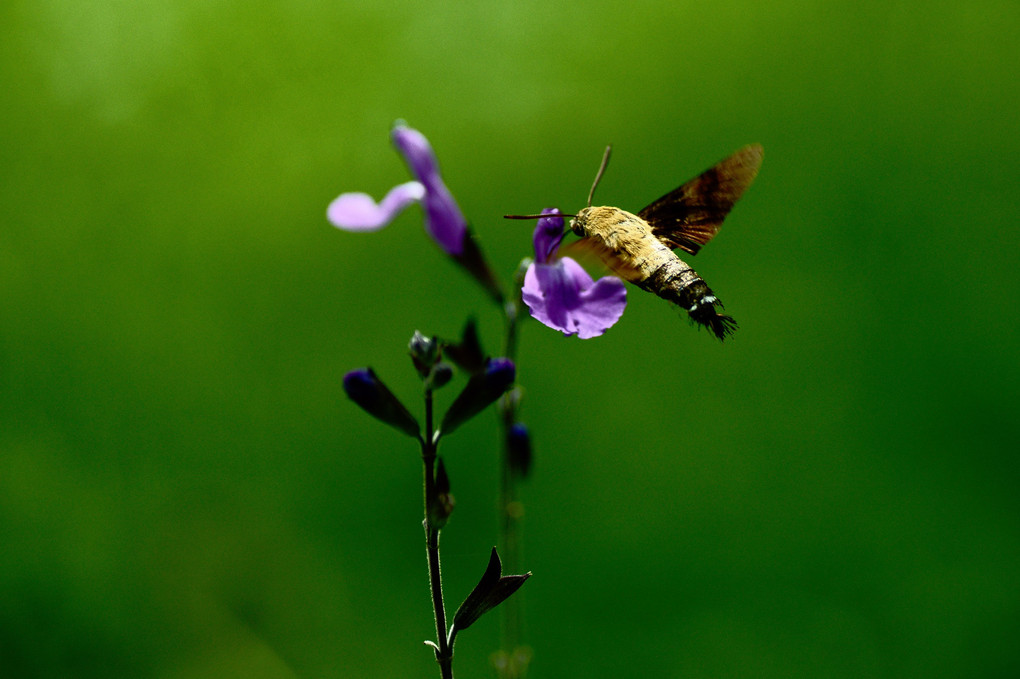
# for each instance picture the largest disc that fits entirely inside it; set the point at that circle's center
(558, 214)
(598, 177)
(591, 194)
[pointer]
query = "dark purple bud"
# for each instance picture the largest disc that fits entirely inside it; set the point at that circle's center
(500, 374)
(368, 391)
(481, 391)
(518, 445)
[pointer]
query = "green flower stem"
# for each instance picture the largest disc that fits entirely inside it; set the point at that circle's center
(444, 652)
(512, 659)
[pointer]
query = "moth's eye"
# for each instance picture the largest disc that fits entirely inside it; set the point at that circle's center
(576, 227)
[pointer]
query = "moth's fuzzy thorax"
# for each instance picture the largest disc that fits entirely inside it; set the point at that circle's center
(599, 220)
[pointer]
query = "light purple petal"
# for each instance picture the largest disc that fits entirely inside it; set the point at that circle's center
(550, 292)
(443, 218)
(359, 212)
(603, 305)
(564, 297)
(418, 153)
(547, 236)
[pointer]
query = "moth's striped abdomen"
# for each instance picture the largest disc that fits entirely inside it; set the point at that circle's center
(627, 244)
(678, 283)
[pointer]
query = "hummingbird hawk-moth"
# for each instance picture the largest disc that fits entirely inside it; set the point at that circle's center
(639, 247)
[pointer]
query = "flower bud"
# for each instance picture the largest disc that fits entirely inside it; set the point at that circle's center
(518, 445)
(441, 374)
(424, 353)
(481, 391)
(368, 391)
(499, 375)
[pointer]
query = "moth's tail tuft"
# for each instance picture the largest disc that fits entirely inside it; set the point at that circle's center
(696, 298)
(722, 325)
(704, 313)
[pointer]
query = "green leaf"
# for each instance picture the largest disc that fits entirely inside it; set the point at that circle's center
(492, 590)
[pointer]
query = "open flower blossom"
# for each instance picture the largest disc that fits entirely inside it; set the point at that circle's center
(444, 221)
(443, 218)
(561, 294)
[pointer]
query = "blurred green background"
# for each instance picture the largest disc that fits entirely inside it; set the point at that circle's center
(185, 492)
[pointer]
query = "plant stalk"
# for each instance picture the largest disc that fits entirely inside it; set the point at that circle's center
(444, 652)
(512, 659)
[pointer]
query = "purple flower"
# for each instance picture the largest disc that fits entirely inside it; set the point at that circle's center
(443, 218)
(561, 294)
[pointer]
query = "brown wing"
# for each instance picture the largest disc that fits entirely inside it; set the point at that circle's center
(691, 215)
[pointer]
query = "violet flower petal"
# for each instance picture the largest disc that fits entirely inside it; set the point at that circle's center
(443, 218)
(564, 297)
(547, 236)
(418, 153)
(359, 211)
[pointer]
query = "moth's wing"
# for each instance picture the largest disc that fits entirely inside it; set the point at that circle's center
(588, 250)
(691, 215)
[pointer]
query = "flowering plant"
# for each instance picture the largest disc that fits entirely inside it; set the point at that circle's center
(557, 292)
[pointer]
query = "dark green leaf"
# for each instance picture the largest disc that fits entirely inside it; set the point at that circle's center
(467, 354)
(492, 590)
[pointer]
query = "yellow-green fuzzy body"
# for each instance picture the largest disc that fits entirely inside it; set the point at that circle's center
(631, 240)
(628, 245)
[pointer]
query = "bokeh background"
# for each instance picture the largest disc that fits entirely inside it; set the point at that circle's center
(186, 493)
